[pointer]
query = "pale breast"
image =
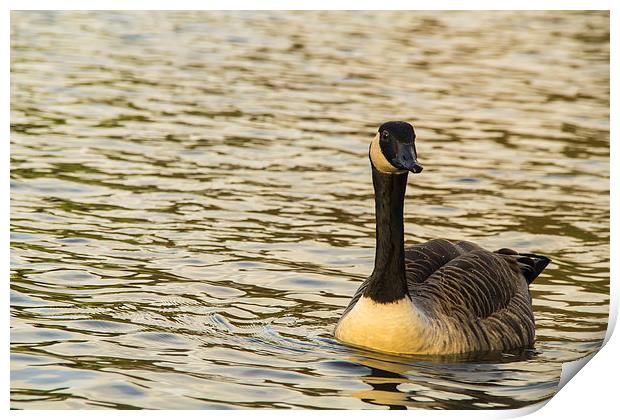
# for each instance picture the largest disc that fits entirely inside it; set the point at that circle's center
(396, 327)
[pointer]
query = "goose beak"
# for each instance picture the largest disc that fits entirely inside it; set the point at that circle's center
(407, 159)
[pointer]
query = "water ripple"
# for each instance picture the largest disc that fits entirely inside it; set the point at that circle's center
(191, 204)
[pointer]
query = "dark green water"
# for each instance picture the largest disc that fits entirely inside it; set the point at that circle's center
(191, 204)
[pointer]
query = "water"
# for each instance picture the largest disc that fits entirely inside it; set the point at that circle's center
(191, 203)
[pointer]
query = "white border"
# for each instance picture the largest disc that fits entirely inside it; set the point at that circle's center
(310, 5)
(593, 393)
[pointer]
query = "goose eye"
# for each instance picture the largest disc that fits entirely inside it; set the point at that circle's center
(385, 134)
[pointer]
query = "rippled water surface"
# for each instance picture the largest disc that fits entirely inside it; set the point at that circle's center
(191, 203)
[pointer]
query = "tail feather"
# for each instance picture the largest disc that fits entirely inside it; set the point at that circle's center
(531, 265)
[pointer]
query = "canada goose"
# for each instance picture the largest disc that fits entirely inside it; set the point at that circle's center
(437, 297)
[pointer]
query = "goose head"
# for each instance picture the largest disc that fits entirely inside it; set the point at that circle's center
(393, 151)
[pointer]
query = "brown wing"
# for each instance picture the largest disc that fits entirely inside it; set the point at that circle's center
(422, 260)
(483, 296)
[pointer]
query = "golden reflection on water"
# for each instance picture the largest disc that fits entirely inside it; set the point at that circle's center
(191, 204)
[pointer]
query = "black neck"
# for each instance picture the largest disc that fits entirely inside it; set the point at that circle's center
(387, 283)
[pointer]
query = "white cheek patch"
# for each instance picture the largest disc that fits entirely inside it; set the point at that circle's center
(378, 159)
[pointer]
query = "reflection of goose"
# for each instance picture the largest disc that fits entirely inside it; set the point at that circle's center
(436, 297)
(448, 382)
